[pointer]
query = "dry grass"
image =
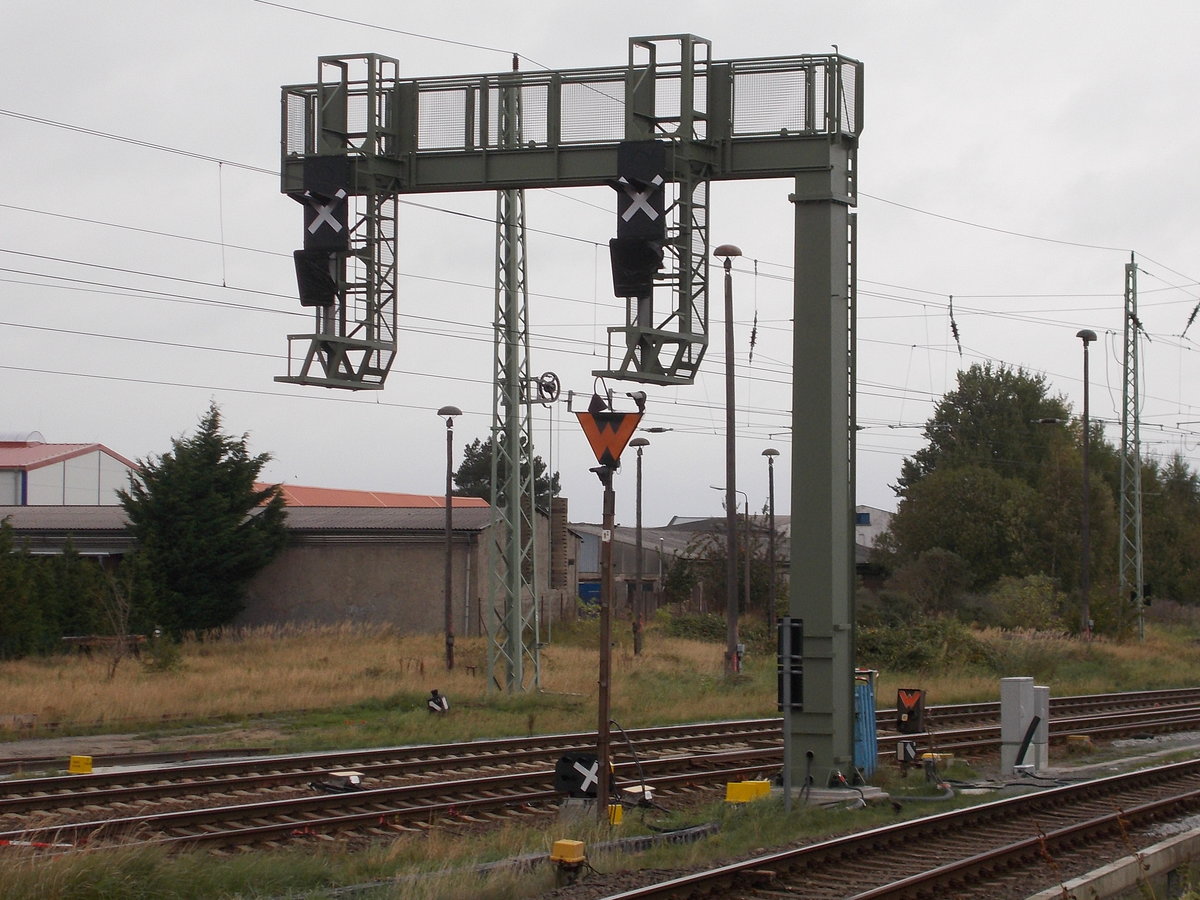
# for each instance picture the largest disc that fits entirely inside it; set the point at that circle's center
(287, 670)
(366, 687)
(264, 670)
(354, 685)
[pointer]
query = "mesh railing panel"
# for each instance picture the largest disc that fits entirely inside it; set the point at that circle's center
(593, 111)
(768, 96)
(535, 109)
(441, 119)
(532, 122)
(767, 102)
(358, 113)
(848, 100)
(296, 131)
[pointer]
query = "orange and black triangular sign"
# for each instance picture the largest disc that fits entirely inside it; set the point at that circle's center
(608, 433)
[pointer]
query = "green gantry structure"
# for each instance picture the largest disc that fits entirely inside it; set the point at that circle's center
(364, 131)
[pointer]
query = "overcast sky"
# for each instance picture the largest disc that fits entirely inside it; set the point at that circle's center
(1013, 156)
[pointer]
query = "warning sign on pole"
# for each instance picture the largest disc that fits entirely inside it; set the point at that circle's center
(608, 433)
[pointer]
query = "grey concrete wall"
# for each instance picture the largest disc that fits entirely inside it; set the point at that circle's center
(396, 579)
(397, 583)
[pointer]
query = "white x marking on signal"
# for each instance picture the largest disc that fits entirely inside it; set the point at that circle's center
(640, 199)
(325, 211)
(591, 774)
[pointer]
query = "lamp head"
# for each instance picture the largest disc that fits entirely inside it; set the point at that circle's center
(770, 451)
(449, 411)
(1086, 335)
(639, 442)
(726, 250)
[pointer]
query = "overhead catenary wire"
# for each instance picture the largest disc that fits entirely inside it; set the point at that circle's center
(783, 371)
(221, 162)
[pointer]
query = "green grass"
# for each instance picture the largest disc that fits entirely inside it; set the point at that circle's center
(374, 699)
(438, 865)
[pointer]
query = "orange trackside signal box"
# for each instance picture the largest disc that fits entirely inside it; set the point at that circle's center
(910, 710)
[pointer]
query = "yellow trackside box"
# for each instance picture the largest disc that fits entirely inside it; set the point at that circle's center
(80, 765)
(745, 791)
(616, 812)
(567, 852)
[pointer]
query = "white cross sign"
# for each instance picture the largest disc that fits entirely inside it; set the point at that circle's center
(591, 775)
(640, 200)
(325, 211)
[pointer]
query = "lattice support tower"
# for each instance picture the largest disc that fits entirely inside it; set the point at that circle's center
(666, 98)
(513, 590)
(345, 119)
(1129, 564)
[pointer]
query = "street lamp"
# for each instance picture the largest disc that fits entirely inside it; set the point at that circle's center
(727, 252)
(449, 412)
(1085, 563)
(770, 453)
(732, 567)
(638, 599)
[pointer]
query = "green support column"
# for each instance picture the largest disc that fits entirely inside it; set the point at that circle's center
(822, 560)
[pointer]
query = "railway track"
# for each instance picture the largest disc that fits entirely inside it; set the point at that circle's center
(394, 765)
(955, 717)
(248, 801)
(382, 811)
(1007, 848)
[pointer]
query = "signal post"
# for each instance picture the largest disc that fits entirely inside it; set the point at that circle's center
(607, 432)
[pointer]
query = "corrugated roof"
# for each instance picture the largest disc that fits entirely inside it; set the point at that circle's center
(26, 455)
(357, 518)
(311, 518)
(675, 538)
(65, 518)
(298, 495)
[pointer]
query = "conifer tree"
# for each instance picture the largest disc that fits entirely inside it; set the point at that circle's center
(201, 525)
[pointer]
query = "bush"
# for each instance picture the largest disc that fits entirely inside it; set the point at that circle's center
(887, 609)
(936, 580)
(162, 654)
(928, 645)
(1033, 602)
(695, 626)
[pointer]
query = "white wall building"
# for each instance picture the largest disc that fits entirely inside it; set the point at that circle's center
(35, 473)
(869, 524)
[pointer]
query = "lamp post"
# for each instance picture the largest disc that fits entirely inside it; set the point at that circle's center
(449, 412)
(638, 597)
(1085, 562)
(726, 252)
(732, 566)
(770, 453)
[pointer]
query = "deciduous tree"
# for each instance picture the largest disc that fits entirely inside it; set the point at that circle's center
(974, 512)
(993, 419)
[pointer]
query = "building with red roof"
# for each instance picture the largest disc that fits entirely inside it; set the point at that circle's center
(366, 557)
(36, 473)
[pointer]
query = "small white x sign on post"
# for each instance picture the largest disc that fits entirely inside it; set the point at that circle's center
(591, 774)
(325, 211)
(640, 200)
